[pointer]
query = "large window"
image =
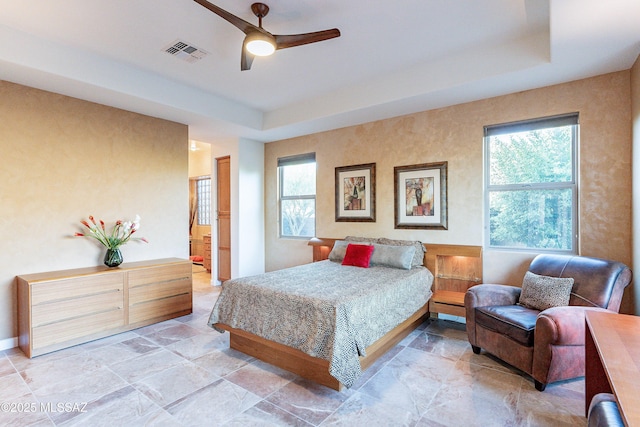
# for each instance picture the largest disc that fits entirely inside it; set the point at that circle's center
(530, 179)
(297, 195)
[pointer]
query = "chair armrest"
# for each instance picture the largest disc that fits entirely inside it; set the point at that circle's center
(483, 296)
(487, 294)
(562, 325)
(558, 351)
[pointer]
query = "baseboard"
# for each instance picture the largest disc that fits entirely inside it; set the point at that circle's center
(8, 343)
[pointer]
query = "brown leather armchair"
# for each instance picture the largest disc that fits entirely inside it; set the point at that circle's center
(548, 344)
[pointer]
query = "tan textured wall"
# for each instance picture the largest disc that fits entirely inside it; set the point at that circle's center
(64, 159)
(455, 134)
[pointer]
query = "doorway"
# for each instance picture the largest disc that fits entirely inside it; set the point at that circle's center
(199, 200)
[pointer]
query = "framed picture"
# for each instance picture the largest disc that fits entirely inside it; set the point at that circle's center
(356, 193)
(421, 196)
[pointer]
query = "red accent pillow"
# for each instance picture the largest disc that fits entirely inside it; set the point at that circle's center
(358, 255)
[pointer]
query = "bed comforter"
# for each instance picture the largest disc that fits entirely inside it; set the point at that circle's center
(324, 309)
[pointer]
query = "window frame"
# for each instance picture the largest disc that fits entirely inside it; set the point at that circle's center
(571, 119)
(292, 161)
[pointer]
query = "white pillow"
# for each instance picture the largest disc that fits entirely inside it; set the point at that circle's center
(418, 256)
(393, 256)
(339, 250)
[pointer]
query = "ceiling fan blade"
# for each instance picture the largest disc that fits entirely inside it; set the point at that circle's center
(246, 58)
(244, 26)
(283, 42)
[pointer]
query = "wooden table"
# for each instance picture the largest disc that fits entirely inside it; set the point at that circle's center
(612, 350)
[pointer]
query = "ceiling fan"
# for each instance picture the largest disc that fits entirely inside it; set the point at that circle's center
(260, 42)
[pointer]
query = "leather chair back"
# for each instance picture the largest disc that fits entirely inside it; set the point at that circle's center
(597, 282)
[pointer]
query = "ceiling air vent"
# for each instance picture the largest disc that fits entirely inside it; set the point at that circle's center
(185, 51)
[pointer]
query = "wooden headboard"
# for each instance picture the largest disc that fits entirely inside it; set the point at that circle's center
(322, 247)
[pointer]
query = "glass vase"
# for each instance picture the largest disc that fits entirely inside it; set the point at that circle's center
(113, 258)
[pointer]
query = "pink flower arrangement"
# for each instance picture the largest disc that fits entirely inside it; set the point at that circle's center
(120, 234)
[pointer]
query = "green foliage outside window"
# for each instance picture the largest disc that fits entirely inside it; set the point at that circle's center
(531, 189)
(297, 200)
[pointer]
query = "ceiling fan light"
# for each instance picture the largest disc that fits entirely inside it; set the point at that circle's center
(260, 44)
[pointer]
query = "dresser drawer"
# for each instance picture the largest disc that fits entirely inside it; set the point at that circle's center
(69, 308)
(160, 308)
(157, 275)
(154, 291)
(70, 329)
(63, 289)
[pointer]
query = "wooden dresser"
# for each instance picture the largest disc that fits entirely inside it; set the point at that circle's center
(60, 309)
(206, 259)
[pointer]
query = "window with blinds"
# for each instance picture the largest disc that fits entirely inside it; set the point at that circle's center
(531, 188)
(297, 195)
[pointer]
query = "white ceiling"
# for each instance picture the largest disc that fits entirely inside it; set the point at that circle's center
(392, 58)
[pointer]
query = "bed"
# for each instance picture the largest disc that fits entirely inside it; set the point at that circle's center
(326, 321)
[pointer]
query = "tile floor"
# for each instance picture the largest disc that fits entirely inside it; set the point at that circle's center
(182, 373)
